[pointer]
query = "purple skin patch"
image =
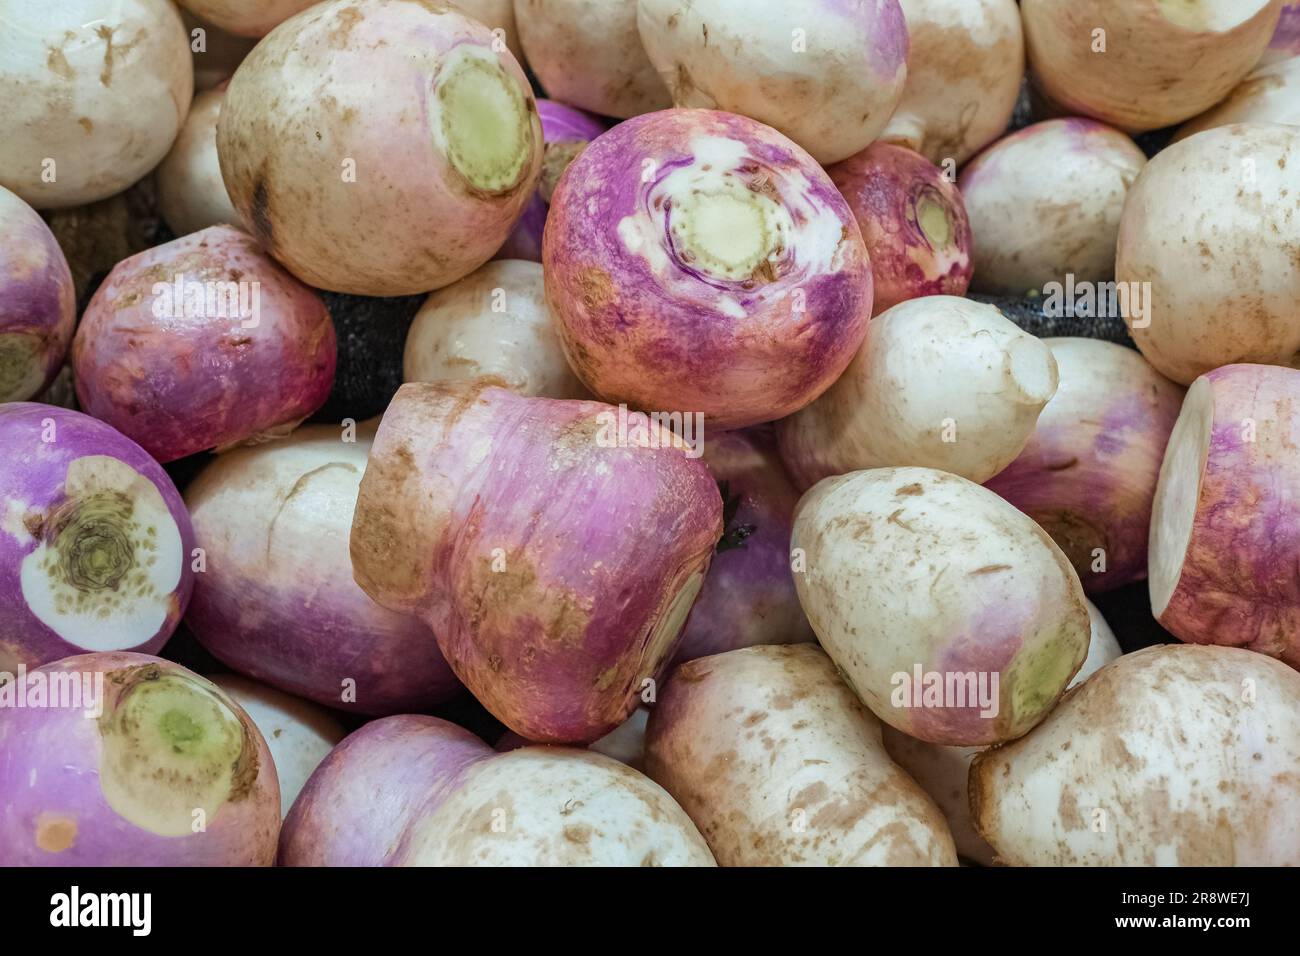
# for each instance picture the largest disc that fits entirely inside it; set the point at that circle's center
(182, 369)
(1286, 38)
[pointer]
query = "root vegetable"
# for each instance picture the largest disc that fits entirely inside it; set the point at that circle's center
(493, 322)
(499, 17)
(399, 184)
(172, 773)
(201, 343)
(1127, 64)
(953, 615)
(828, 73)
(1225, 529)
(1271, 94)
(246, 18)
(1045, 202)
(37, 302)
(1211, 225)
(722, 274)
(1088, 474)
(913, 221)
(276, 599)
(1286, 38)
(218, 55)
(779, 764)
(555, 561)
(94, 94)
(191, 193)
(886, 409)
(94, 540)
(1170, 756)
(625, 743)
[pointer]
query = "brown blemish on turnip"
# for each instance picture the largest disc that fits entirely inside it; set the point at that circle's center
(55, 832)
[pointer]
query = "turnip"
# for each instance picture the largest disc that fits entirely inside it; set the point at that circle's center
(399, 184)
(625, 743)
(964, 71)
(216, 53)
(588, 53)
(499, 17)
(554, 558)
(94, 94)
(953, 615)
(1225, 530)
(913, 221)
(779, 764)
(201, 343)
(567, 132)
(886, 409)
(492, 322)
(298, 734)
(701, 262)
(1088, 474)
(826, 73)
(94, 540)
(245, 18)
(129, 760)
(1211, 225)
(1169, 756)
(1271, 94)
(37, 302)
(1286, 38)
(191, 193)
(1045, 202)
(1143, 64)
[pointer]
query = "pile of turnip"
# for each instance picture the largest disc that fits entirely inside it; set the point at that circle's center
(649, 433)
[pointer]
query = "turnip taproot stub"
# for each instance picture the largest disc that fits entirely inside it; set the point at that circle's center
(93, 92)
(1271, 94)
(248, 18)
(132, 761)
(554, 557)
(276, 599)
(953, 615)
(94, 540)
(1088, 474)
(941, 382)
(492, 322)
(1045, 202)
(1170, 756)
(779, 764)
(698, 261)
(1212, 225)
(1132, 64)
(913, 221)
(202, 343)
(1225, 532)
(191, 192)
(38, 304)
(381, 149)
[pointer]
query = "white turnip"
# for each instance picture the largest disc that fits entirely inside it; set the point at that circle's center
(1271, 94)
(191, 192)
(245, 18)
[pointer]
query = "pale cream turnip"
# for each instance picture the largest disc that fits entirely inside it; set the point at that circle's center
(191, 192)
(1270, 94)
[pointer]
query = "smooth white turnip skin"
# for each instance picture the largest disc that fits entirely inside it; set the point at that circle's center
(941, 382)
(38, 304)
(826, 73)
(299, 734)
(964, 67)
(748, 596)
(625, 743)
(170, 751)
(381, 148)
(179, 376)
(1045, 202)
(1144, 79)
(698, 261)
(221, 52)
(1211, 224)
(779, 764)
(1286, 38)
(1088, 474)
(98, 89)
(555, 571)
(913, 221)
(943, 772)
(95, 542)
(245, 18)
(1225, 529)
(588, 53)
(1170, 756)
(1271, 94)
(492, 322)
(909, 567)
(276, 599)
(191, 192)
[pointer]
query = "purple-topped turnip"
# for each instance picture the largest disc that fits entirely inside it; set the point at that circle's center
(38, 304)
(191, 192)
(702, 262)
(204, 342)
(245, 18)
(1286, 38)
(381, 149)
(94, 540)
(1271, 94)
(625, 743)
